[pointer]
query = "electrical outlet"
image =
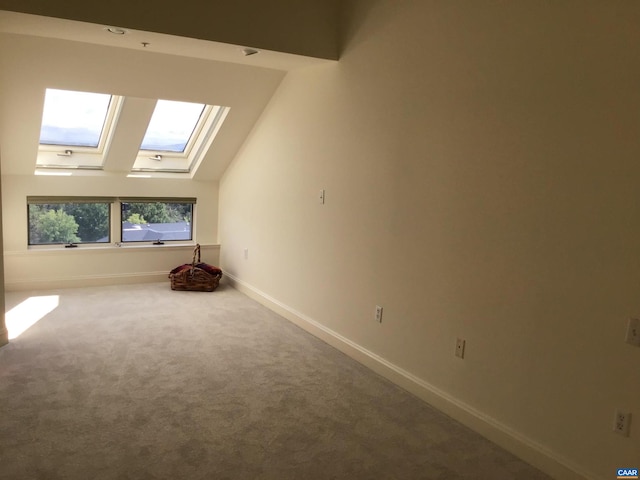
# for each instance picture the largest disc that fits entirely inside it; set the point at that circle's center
(246, 254)
(378, 314)
(622, 423)
(633, 332)
(460, 347)
(321, 197)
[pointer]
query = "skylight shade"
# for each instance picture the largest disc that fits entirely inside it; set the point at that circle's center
(171, 126)
(73, 118)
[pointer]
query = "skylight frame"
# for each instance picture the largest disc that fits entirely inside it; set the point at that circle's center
(81, 157)
(186, 162)
(195, 132)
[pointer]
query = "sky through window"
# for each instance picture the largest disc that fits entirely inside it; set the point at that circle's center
(171, 126)
(73, 118)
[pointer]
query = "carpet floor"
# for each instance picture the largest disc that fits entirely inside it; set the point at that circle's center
(139, 382)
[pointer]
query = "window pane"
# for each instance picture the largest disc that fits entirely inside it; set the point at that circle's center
(68, 223)
(171, 126)
(159, 221)
(73, 118)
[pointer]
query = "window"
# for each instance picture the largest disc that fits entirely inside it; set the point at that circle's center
(178, 136)
(73, 118)
(76, 128)
(68, 221)
(172, 126)
(78, 131)
(87, 220)
(151, 220)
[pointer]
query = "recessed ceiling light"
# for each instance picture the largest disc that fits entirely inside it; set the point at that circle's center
(116, 30)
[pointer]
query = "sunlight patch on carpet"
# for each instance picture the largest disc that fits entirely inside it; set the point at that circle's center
(28, 313)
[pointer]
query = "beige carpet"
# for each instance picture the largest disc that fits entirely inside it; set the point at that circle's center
(139, 382)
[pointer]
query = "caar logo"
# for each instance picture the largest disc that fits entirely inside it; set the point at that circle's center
(627, 473)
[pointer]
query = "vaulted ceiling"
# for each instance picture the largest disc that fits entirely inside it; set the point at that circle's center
(39, 52)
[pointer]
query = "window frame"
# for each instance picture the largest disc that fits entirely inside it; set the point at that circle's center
(195, 132)
(115, 220)
(66, 201)
(205, 131)
(158, 241)
(81, 157)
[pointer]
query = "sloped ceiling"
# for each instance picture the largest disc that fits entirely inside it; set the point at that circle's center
(42, 52)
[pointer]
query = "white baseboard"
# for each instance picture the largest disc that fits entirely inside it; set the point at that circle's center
(85, 281)
(516, 443)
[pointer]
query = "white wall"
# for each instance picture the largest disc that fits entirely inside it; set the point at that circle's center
(4, 334)
(480, 161)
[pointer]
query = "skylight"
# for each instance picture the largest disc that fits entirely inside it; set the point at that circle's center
(73, 119)
(76, 129)
(89, 131)
(178, 136)
(172, 126)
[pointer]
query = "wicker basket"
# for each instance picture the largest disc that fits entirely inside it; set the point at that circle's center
(194, 278)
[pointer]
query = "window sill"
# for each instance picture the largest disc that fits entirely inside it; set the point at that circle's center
(107, 248)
